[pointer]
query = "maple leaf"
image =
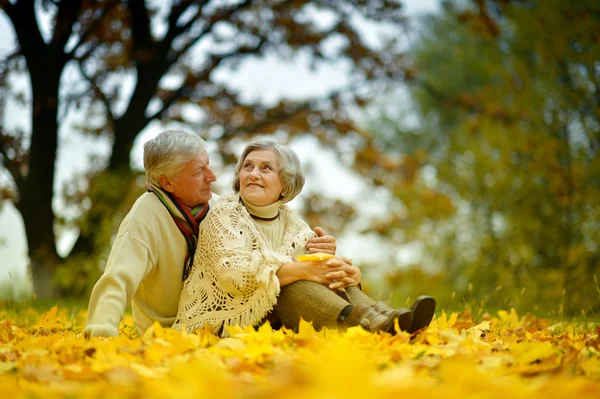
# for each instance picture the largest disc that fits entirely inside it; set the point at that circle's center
(494, 357)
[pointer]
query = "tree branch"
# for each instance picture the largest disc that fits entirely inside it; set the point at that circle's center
(11, 166)
(221, 15)
(66, 16)
(304, 106)
(4, 64)
(93, 26)
(178, 9)
(8, 8)
(467, 104)
(22, 16)
(99, 93)
(204, 75)
(140, 26)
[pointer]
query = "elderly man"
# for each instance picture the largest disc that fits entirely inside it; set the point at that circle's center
(154, 248)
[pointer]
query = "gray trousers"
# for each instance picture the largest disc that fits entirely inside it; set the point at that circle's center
(313, 302)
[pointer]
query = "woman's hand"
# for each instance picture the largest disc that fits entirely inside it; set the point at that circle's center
(341, 279)
(337, 273)
(322, 243)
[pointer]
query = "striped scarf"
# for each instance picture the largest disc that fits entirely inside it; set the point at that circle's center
(188, 221)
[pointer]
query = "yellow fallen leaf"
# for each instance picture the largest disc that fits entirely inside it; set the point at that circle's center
(7, 366)
(444, 323)
(534, 351)
(591, 367)
(314, 257)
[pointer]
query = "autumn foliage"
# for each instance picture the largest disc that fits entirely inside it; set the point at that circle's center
(504, 355)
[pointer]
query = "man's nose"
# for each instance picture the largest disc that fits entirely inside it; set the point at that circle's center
(210, 175)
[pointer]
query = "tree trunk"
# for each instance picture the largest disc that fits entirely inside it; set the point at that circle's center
(125, 129)
(36, 193)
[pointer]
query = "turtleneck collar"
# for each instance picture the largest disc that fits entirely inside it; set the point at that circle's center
(269, 212)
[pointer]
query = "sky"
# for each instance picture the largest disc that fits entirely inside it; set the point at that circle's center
(268, 80)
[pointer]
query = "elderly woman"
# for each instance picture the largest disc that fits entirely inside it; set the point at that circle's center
(245, 269)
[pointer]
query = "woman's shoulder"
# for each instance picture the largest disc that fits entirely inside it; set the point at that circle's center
(226, 204)
(288, 211)
(291, 216)
(228, 201)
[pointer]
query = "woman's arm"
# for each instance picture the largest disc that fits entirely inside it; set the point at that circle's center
(233, 280)
(323, 272)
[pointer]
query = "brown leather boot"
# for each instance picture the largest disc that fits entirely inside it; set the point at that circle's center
(423, 309)
(372, 320)
(404, 316)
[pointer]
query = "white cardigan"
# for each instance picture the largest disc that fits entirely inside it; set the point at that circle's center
(233, 280)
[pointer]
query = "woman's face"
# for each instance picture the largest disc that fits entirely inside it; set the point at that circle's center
(259, 178)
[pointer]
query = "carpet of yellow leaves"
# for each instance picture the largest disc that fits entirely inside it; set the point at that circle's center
(502, 356)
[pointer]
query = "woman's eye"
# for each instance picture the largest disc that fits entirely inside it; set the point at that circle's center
(268, 167)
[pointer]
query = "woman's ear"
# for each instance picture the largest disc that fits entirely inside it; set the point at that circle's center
(166, 183)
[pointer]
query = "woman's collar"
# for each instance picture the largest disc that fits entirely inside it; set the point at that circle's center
(264, 213)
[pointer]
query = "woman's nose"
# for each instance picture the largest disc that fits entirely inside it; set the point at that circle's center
(254, 174)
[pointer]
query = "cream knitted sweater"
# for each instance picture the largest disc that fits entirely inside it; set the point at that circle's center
(145, 267)
(233, 280)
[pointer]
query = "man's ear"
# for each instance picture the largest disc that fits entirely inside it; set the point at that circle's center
(166, 183)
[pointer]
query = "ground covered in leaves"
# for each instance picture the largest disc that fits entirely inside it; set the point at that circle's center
(504, 355)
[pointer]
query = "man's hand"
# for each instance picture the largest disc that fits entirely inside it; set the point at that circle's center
(322, 243)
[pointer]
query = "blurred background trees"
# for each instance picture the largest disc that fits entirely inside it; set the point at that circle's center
(140, 61)
(507, 100)
(481, 134)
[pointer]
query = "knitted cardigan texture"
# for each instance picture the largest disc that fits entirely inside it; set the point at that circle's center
(233, 280)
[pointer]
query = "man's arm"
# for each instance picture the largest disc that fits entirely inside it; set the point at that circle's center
(127, 265)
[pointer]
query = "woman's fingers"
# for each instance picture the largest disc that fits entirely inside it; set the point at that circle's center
(324, 247)
(337, 286)
(335, 275)
(342, 283)
(347, 281)
(322, 243)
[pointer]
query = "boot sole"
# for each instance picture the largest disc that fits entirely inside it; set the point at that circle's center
(405, 320)
(423, 310)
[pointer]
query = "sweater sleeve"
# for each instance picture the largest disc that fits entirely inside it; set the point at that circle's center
(234, 279)
(129, 262)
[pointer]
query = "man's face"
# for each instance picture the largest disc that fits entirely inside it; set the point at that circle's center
(192, 185)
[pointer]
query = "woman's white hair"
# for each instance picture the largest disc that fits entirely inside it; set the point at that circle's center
(167, 153)
(290, 171)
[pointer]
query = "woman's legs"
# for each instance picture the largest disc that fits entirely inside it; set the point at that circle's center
(311, 301)
(356, 296)
(316, 303)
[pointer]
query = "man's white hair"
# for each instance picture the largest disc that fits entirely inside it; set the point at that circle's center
(167, 153)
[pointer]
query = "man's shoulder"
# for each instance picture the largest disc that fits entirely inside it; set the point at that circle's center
(147, 204)
(147, 209)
